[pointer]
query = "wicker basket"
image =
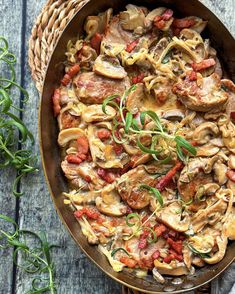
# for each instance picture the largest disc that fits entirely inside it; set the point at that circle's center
(45, 33)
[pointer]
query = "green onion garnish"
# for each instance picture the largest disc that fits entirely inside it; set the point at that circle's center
(119, 249)
(131, 216)
(155, 193)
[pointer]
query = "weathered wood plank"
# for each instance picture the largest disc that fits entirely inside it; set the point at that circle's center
(10, 28)
(75, 273)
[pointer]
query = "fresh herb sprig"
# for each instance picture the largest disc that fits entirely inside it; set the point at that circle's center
(130, 126)
(12, 126)
(35, 260)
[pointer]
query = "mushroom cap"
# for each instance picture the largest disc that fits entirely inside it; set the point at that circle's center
(109, 67)
(67, 135)
(171, 269)
(94, 113)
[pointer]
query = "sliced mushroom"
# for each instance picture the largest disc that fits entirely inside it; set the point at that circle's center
(88, 231)
(94, 113)
(222, 242)
(229, 225)
(129, 187)
(210, 215)
(67, 135)
(135, 99)
(205, 132)
(228, 134)
(109, 67)
(231, 161)
(220, 170)
(172, 269)
(140, 159)
(132, 18)
(187, 254)
(157, 276)
(110, 203)
(209, 96)
(174, 115)
(207, 150)
(171, 216)
(83, 197)
(116, 265)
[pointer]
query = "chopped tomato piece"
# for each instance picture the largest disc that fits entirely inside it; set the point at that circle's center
(204, 64)
(66, 80)
(156, 254)
(192, 76)
(176, 245)
(118, 149)
(160, 229)
(160, 24)
(231, 175)
(74, 70)
(160, 20)
(143, 243)
(131, 46)
(138, 79)
(82, 145)
(56, 102)
(169, 258)
(183, 23)
(178, 257)
(103, 134)
(128, 261)
(165, 180)
(90, 212)
(106, 175)
(96, 41)
(73, 158)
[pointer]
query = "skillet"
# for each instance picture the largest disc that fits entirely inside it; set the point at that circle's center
(221, 40)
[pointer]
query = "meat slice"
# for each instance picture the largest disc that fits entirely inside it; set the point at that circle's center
(129, 189)
(116, 35)
(208, 96)
(93, 89)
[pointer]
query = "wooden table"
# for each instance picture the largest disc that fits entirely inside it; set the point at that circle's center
(35, 211)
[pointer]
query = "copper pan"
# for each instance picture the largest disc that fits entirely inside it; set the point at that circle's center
(50, 153)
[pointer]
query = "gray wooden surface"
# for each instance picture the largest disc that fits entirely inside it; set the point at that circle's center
(35, 211)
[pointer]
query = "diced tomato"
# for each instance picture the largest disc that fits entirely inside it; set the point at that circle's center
(192, 76)
(131, 46)
(87, 178)
(183, 23)
(131, 263)
(106, 175)
(156, 254)
(160, 20)
(165, 180)
(73, 158)
(160, 229)
(176, 245)
(96, 41)
(56, 102)
(178, 257)
(160, 24)
(204, 64)
(118, 149)
(168, 258)
(143, 243)
(138, 79)
(194, 143)
(231, 175)
(90, 212)
(66, 80)
(82, 145)
(103, 134)
(232, 115)
(74, 70)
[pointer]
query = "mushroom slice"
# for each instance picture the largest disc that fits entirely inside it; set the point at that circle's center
(229, 225)
(207, 150)
(210, 215)
(94, 113)
(205, 132)
(109, 67)
(174, 115)
(132, 18)
(220, 170)
(228, 134)
(83, 197)
(116, 265)
(128, 187)
(135, 99)
(157, 276)
(222, 242)
(171, 217)
(209, 96)
(110, 202)
(67, 135)
(88, 231)
(172, 269)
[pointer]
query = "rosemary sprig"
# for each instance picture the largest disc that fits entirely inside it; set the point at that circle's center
(12, 126)
(182, 147)
(35, 260)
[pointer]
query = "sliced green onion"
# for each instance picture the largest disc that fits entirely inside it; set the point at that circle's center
(131, 216)
(153, 238)
(155, 192)
(119, 249)
(129, 119)
(135, 125)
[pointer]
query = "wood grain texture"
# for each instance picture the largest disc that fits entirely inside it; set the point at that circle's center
(10, 28)
(74, 272)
